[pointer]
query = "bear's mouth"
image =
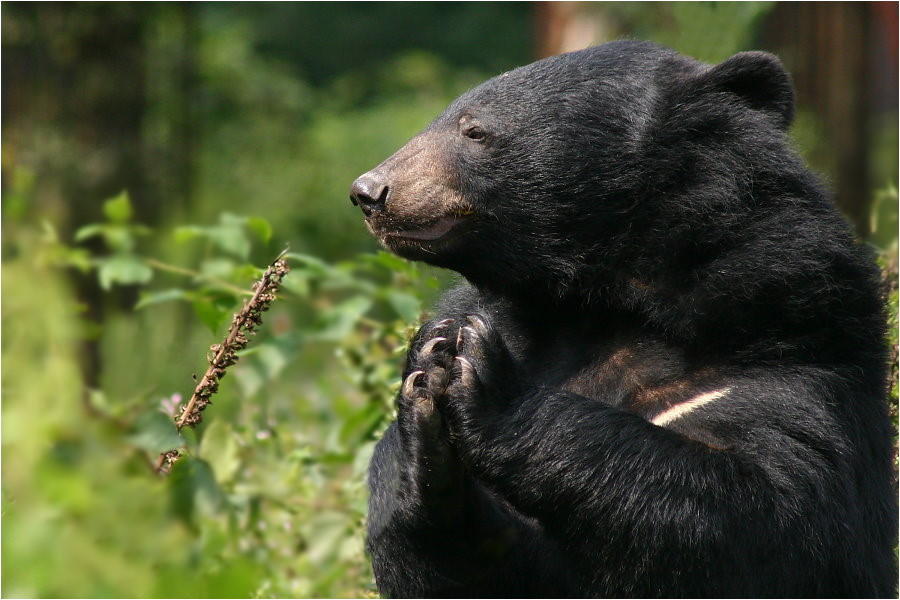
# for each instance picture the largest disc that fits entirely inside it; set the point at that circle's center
(434, 230)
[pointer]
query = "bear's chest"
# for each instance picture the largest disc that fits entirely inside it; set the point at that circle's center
(627, 369)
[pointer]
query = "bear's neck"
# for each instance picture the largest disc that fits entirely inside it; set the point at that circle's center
(750, 299)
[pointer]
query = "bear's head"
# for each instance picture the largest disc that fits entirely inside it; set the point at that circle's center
(532, 180)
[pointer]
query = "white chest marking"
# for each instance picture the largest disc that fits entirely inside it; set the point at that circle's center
(683, 408)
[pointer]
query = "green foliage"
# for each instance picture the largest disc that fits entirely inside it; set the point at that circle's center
(308, 144)
(883, 221)
(270, 499)
(708, 31)
(888, 261)
(122, 266)
(81, 517)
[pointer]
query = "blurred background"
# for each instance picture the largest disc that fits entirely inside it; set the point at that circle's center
(156, 156)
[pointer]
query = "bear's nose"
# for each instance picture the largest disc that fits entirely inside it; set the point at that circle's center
(370, 193)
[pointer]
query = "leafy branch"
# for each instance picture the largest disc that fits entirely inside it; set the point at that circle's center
(162, 266)
(244, 322)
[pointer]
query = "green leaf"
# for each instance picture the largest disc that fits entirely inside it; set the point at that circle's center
(155, 433)
(194, 489)
(231, 240)
(89, 231)
(229, 235)
(78, 258)
(362, 459)
(119, 238)
(407, 306)
(148, 298)
(187, 233)
(219, 448)
(250, 379)
(389, 261)
(297, 283)
(246, 273)
(336, 322)
(324, 533)
(232, 220)
(49, 234)
(210, 314)
(272, 358)
(221, 268)
(260, 227)
(311, 264)
(118, 209)
(359, 425)
(123, 269)
(346, 277)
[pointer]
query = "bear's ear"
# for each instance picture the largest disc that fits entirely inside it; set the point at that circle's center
(760, 80)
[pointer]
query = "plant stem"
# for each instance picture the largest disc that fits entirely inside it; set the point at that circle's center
(236, 326)
(244, 322)
(157, 264)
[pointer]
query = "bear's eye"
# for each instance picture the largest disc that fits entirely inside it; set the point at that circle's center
(473, 132)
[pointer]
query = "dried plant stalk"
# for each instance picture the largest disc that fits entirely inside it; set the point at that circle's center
(224, 355)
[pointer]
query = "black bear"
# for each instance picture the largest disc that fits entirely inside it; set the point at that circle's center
(665, 372)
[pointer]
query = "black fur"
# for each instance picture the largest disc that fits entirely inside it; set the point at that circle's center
(636, 233)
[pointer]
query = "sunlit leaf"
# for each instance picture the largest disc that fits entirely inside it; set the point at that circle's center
(221, 268)
(313, 265)
(297, 283)
(232, 220)
(229, 235)
(231, 240)
(324, 534)
(337, 321)
(149, 298)
(219, 448)
(78, 258)
(260, 227)
(389, 261)
(246, 273)
(119, 238)
(88, 231)
(118, 209)
(187, 233)
(123, 269)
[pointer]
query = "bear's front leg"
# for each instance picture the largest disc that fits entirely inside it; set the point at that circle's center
(419, 520)
(431, 475)
(434, 530)
(483, 383)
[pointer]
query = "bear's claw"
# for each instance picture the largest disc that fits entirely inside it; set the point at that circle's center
(428, 348)
(467, 373)
(409, 385)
